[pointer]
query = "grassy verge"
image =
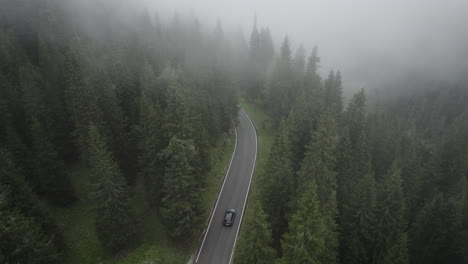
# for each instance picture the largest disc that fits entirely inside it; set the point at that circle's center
(77, 221)
(266, 136)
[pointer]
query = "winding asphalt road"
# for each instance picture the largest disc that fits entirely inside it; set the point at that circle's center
(218, 242)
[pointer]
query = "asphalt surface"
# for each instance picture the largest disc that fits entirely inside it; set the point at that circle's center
(218, 242)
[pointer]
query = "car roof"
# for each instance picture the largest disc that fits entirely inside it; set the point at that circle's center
(229, 215)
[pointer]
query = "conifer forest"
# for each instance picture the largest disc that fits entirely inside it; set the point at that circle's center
(114, 117)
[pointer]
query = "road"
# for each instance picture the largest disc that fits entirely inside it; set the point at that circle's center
(219, 241)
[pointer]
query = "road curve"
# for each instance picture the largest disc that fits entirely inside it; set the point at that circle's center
(218, 242)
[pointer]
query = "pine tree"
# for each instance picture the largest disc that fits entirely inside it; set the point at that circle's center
(255, 83)
(333, 91)
(329, 85)
(305, 242)
(355, 116)
(318, 165)
(267, 51)
(312, 77)
(254, 245)
(23, 220)
(278, 187)
(121, 140)
(280, 94)
(23, 240)
(49, 172)
(298, 66)
(181, 201)
(338, 87)
(299, 124)
(150, 144)
(313, 91)
(391, 225)
(49, 168)
(114, 223)
(435, 234)
(81, 100)
(359, 221)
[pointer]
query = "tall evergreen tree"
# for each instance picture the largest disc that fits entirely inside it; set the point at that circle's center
(318, 165)
(299, 123)
(255, 74)
(81, 100)
(333, 91)
(114, 223)
(435, 234)
(280, 93)
(359, 220)
(298, 66)
(278, 187)
(23, 240)
(313, 91)
(24, 221)
(254, 247)
(150, 144)
(391, 225)
(51, 172)
(181, 201)
(304, 243)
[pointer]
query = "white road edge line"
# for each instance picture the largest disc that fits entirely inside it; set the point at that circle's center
(219, 195)
(248, 189)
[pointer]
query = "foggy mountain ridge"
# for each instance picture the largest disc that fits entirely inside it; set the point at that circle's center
(371, 42)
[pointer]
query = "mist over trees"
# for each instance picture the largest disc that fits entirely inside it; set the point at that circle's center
(140, 101)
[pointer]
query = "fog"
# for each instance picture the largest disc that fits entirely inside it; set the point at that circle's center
(370, 41)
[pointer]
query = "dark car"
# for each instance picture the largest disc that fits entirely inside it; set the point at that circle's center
(229, 217)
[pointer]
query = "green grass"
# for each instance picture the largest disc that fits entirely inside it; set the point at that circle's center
(77, 222)
(154, 246)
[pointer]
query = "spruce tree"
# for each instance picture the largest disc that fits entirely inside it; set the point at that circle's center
(338, 89)
(254, 87)
(114, 223)
(329, 86)
(318, 165)
(120, 137)
(299, 124)
(181, 201)
(355, 116)
(435, 234)
(50, 178)
(51, 172)
(23, 240)
(312, 89)
(391, 225)
(278, 187)
(267, 51)
(150, 144)
(304, 242)
(359, 221)
(81, 100)
(298, 66)
(25, 222)
(254, 246)
(280, 93)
